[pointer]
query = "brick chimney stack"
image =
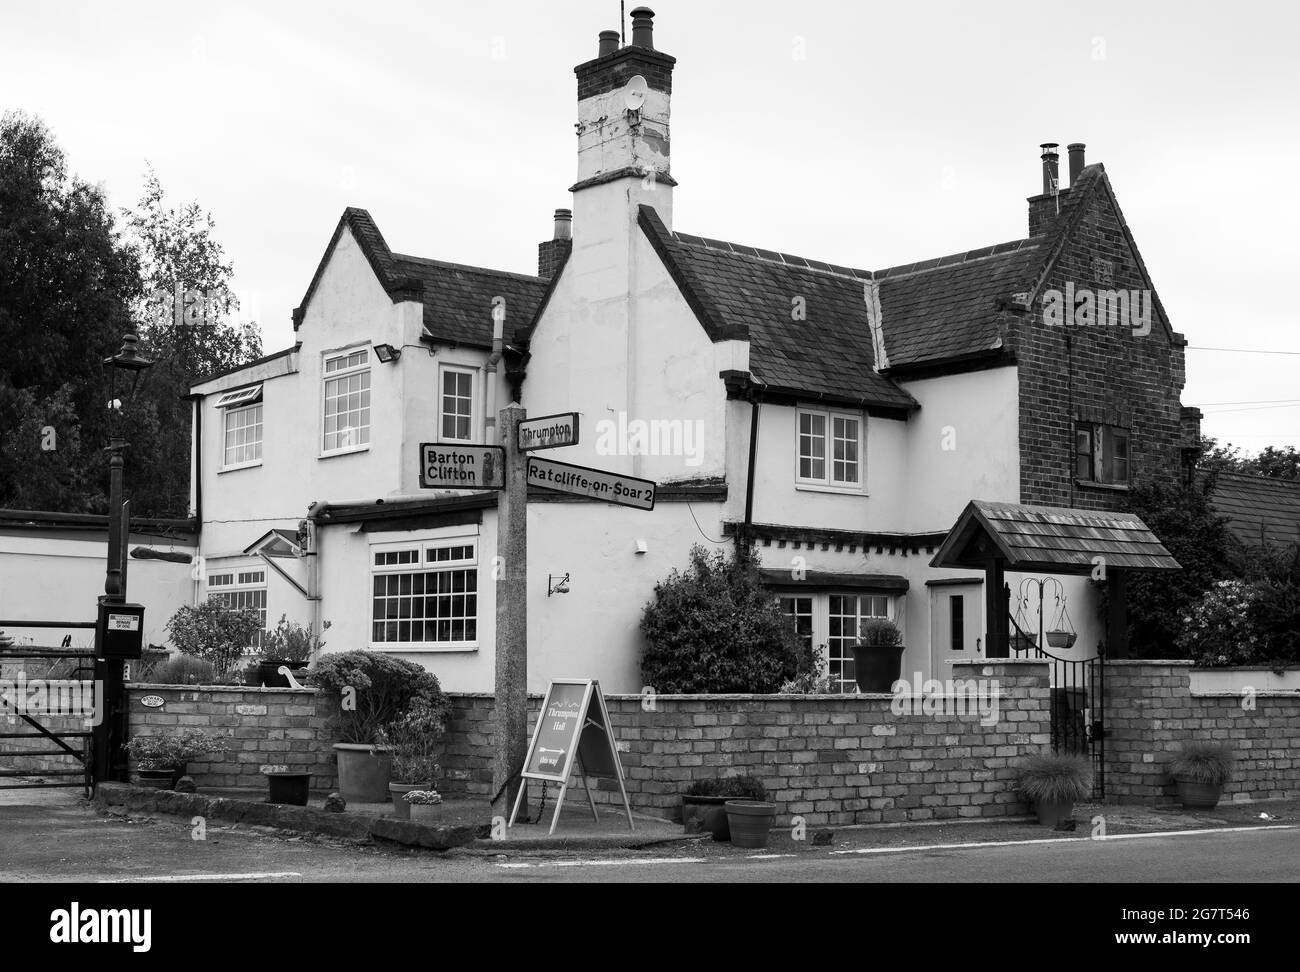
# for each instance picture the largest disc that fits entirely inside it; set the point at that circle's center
(554, 251)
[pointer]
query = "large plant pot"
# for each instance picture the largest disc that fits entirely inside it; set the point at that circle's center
(402, 809)
(1052, 812)
(1198, 796)
(363, 772)
(750, 822)
(706, 815)
(268, 672)
(291, 789)
(876, 669)
(159, 779)
(425, 813)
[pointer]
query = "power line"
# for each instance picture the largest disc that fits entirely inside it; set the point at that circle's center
(1257, 401)
(1197, 347)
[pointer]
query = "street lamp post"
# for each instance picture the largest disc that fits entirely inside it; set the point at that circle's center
(109, 733)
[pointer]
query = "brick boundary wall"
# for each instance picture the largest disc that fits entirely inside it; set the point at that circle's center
(1150, 710)
(833, 759)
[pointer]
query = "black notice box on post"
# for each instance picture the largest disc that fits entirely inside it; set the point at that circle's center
(120, 631)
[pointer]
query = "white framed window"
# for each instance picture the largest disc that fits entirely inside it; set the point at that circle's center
(844, 616)
(456, 404)
(241, 587)
(829, 449)
(346, 393)
(424, 595)
(243, 437)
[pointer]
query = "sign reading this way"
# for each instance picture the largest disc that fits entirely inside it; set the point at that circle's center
(453, 465)
(548, 432)
(573, 727)
(593, 483)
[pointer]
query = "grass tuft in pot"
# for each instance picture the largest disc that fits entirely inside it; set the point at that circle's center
(1209, 763)
(1050, 779)
(743, 787)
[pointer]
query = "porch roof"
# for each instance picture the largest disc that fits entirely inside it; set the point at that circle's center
(1050, 539)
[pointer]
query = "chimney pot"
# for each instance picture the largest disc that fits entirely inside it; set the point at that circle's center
(608, 42)
(563, 224)
(1076, 160)
(643, 27)
(1051, 171)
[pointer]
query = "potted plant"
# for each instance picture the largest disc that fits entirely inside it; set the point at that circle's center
(422, 804)
(160, 758)
(750, 821)
(288, 645)
(704, 805)
(878, 655)
(215, 632)
(412, 743)
(1053, 784)
(372, 692)
(1200, 769)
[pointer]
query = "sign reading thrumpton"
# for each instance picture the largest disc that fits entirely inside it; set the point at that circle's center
(548, 432)
(594, 483)
(448, 465)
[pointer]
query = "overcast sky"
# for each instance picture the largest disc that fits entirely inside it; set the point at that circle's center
(861, 134)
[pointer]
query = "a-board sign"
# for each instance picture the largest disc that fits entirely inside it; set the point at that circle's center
(454, 465)
(597, 484)
(573, 729)
(548, 432)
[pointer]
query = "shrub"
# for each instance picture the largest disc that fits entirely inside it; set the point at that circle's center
(714, 628)
(180, 670)
(1054, 779)
(413, 742)
(423, 798)
(173, 748)
(1203, 762)
(381, 690)
(743, 787)
(880, 633)
(1275, 612)
(1218, 630)
(291, 642)
(215, 632)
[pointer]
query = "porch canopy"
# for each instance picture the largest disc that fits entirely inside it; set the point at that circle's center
(1001, 537)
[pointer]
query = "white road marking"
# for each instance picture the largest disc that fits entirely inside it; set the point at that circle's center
(767, 857)
(1059, 840)
(178, 878)
(617, 862)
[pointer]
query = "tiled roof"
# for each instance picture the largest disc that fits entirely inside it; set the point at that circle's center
(738, 293)
(458, 299)
(1051, 539)
(948, 308)
(1259, 510)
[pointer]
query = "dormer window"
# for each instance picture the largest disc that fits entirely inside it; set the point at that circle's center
(829, 449)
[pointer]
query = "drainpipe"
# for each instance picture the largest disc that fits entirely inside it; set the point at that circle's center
(498, 342)
(755, 405)
(312, 556)
(196, 402)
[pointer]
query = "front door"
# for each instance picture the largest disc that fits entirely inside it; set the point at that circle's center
(956, 615)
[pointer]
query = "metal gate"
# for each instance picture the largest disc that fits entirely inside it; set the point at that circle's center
(30, 663)
(1078, 696)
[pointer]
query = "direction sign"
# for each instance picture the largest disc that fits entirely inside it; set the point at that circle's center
(453, 465)
(594, 483)
(548, 432)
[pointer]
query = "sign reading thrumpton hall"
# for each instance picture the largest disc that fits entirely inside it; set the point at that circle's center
(452, 465)
(548, 432)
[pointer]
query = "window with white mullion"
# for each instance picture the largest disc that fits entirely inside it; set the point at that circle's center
(238, 589)
(830, 448)
(243, 436)
(347, 401)
(457, 405)
(812, 446)
(425, 595)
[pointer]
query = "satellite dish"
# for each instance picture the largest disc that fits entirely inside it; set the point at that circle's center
(634, 93)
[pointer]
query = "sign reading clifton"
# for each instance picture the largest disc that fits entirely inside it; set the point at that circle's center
(444, 466)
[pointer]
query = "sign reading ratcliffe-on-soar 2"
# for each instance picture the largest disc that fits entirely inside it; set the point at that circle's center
(453, 465)
(548, 432)
(593, 483)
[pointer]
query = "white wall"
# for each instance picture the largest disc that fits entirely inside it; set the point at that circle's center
(54, 576)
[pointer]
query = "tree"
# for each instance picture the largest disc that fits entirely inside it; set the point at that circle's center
(714, 628)
(187, 315)
(68, 284)
(1272, 461)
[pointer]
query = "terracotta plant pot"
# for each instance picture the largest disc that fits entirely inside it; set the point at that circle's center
(750, 821)
(705, 814)
(159, 779)
(402, 809)
(1052, 812)
(876, 669)
(1198, 796)
(363, 772)
(424, 813)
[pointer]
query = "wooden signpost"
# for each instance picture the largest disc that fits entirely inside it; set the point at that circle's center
(573, 727)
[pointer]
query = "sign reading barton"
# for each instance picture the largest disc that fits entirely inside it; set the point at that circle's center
(456, 466)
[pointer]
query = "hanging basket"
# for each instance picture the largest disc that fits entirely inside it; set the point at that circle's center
(1061, 639)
